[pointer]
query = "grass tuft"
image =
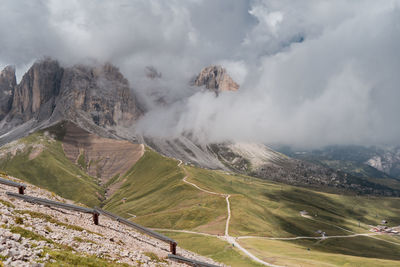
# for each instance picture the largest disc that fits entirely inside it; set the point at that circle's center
(6, 203)
(154, 257)
(29, 234)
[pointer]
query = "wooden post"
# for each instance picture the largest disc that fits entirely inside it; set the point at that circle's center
(96, 218)
(21, 190)
(172, 247)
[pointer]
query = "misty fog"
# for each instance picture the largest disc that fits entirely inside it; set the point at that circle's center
(311, 73)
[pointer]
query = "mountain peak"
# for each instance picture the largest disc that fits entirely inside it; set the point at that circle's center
(92, 95)
(215, 78)
(7, 71)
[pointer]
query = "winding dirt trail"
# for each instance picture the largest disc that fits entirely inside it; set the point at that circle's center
(226, 196)
(307, 237)
(232, 240)
(184, 231)
(227, 237)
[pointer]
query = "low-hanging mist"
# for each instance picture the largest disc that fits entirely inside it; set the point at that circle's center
(311, 73)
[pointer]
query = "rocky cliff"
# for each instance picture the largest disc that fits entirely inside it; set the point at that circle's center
(101, 93)
(387, 161)
(92, 96)
(215, 78)
(7, 85)
(35, 95)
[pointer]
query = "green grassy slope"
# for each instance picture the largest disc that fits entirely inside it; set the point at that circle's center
(214, 248)
(52, 170)
(155, 193)
(296, 254)
(274, 208)
(152, 193)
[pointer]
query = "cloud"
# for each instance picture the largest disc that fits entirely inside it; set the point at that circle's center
(311, 72)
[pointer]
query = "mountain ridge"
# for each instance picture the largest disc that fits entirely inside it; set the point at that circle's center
(99, 100)
(95, 97)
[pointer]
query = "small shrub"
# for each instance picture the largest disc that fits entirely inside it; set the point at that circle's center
(78, 239)
(19, 220)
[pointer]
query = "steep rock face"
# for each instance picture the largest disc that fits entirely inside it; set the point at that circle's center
(102, 93)
(215, 78)
(97, 97)
(35, 95)
(7, 85)
(387, 161)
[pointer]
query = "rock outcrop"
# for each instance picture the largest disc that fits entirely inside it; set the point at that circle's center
(35, 95)
(387, 161)
(215, 78)
(100, 93)
(92, 96)
(7, 85)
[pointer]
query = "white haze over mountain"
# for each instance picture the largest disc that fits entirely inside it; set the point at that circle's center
(311, 72)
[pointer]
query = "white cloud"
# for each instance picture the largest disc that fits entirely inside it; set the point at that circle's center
(311, 72)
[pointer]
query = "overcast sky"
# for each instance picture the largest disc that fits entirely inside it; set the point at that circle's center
(311, 73)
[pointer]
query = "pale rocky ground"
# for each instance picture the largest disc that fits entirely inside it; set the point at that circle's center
(109, 240)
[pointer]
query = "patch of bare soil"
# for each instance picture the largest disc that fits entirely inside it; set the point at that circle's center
(36, 150)
(104, 157)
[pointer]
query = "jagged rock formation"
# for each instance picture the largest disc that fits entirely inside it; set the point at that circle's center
(387, 161)
(98, 93)
(215, 78)
(7, 85)
(96, 97)
(35, 95)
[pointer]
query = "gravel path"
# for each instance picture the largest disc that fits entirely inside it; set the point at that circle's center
(227, 237)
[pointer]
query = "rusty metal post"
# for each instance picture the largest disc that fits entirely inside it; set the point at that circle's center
(96, 218)
(21, 190)
(172, 247)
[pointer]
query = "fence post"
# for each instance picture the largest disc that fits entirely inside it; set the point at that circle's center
(21, 190)
(172, 247)
(96, 218)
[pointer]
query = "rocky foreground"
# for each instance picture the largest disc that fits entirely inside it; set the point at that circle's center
(35, 235)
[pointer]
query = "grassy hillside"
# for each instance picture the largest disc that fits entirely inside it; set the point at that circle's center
(214, 248)
(300, 254)
(155, 194)
(50, 169)
(274, 208)
(152, 193)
